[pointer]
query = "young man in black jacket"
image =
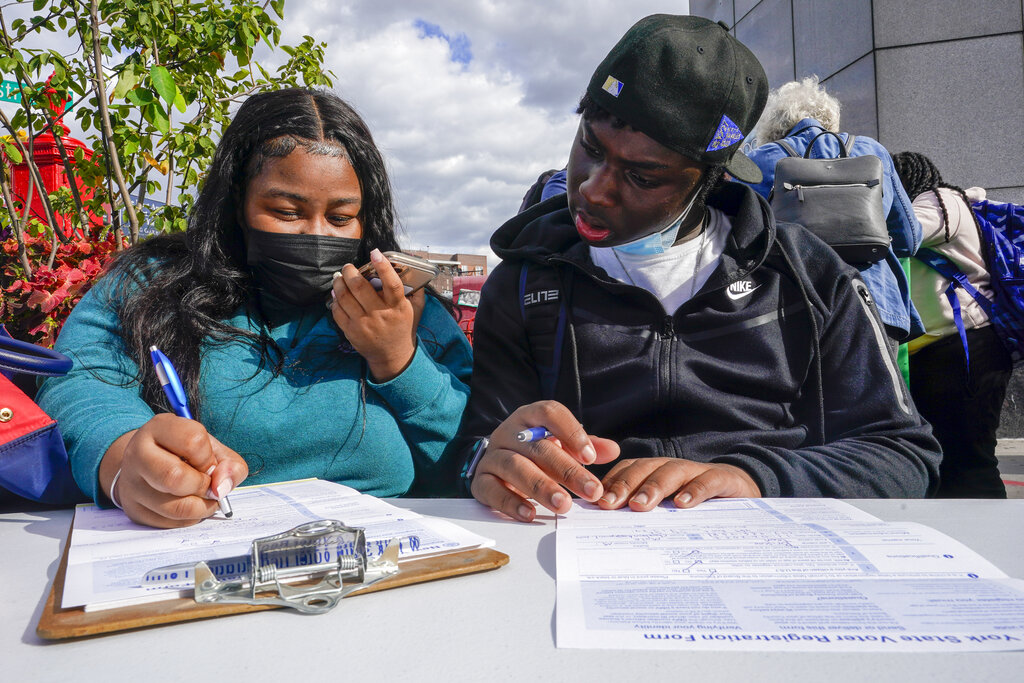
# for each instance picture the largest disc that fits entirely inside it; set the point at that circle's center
(667, 333)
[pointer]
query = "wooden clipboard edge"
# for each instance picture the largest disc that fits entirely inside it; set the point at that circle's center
(56, 623)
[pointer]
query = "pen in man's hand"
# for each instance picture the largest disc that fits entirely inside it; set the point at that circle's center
(171, 383)
(532, 434)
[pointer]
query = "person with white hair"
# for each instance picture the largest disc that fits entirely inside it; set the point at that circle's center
(799, 111)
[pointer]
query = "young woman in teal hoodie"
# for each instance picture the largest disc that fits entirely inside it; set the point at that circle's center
(293, 364)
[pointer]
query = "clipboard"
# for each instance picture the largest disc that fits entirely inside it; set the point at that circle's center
(56, 623)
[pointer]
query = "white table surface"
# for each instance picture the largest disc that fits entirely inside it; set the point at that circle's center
(494, 626)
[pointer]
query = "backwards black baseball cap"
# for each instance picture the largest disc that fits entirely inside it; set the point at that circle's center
(687, 83)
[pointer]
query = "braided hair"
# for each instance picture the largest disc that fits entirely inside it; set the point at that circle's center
(918, 174)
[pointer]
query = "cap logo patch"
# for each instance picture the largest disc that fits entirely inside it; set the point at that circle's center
(728, 133)
(612, 86)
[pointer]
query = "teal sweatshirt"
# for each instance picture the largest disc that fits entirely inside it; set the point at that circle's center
(310, 421)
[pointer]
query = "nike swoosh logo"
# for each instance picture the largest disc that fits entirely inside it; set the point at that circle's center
(736, 296)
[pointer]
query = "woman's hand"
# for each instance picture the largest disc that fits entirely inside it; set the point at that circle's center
(381, 326)
(172, 472)
(645, 482)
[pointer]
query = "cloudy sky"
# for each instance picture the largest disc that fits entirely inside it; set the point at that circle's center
(468, 99)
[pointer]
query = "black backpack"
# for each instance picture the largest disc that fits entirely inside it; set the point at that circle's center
(533, 195)
(839, 200)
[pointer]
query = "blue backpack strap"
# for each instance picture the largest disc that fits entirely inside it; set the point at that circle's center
(948, 270)
(539, 290)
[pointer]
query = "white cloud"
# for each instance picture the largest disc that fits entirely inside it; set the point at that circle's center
(464, 141)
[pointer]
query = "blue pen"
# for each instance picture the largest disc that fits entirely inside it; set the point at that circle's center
(532, 434)
(171, 383)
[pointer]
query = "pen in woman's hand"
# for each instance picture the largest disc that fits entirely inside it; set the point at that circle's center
(171, 383)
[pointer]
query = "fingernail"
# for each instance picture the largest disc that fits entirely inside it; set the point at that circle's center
(558, 500)
(525, 511)
(685, 499)
(224, 488)
(590, 489)
(376, 256)
(609, 498)
(212, 468)
(334, 297)
(589, 454)
(336, 275)
(640, 499)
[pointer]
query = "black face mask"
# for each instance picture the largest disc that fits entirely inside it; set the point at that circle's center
(297, 269)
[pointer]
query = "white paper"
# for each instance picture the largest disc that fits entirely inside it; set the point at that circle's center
(109, 554)
(775, 575)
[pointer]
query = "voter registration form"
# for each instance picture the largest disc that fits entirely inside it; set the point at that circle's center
(109, 554)
(775, 575)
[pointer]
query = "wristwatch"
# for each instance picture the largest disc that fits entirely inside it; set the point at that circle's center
(469, 469)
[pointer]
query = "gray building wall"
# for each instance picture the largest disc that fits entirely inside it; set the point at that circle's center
(941, 77)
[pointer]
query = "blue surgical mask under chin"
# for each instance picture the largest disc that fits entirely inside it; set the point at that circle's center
(658, 242)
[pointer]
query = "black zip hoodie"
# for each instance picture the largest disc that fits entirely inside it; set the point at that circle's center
(809, 405)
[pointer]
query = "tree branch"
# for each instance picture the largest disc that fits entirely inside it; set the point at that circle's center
(33, 169)
(69, 172)
(113, 163)
(16, 225)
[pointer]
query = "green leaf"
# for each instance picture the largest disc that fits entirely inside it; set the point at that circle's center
(140, 97)
(278, 6)
(126, 81)
(155, 114)
(163, 83)
(179, 102)
(38, 5)
(12, 152)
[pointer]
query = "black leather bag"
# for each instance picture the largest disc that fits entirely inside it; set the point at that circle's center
(839, 200)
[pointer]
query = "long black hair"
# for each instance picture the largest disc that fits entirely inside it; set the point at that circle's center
(919, 174)
(175, 291)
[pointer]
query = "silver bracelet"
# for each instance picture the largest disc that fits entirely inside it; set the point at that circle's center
(113, 483)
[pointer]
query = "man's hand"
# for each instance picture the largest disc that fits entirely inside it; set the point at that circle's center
(645, 482)
(512, 471)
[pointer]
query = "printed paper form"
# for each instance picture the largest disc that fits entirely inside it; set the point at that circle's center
(775, 575)
(109, 553)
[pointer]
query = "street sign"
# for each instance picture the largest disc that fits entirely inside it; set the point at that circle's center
(10, 91)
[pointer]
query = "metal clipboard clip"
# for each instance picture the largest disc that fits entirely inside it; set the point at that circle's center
(309, 568)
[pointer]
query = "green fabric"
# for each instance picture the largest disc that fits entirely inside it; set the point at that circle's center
(903, 354)
(311, 420)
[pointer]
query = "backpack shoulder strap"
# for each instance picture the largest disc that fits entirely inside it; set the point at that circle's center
(948, 270)
(787, 148)
(543, 307)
